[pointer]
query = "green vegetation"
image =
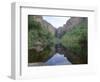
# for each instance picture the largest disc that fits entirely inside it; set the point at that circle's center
(41, 56)
(40, 41)
(75, 41)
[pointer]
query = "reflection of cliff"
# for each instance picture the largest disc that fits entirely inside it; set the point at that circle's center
(73, 36)
(70, 39)
(40, 39)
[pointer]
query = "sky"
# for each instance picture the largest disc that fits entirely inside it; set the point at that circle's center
(56, 21)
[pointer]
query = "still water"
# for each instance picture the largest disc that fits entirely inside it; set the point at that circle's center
(58, 59)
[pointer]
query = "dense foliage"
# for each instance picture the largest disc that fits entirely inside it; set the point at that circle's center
(75, 40)
(40, 41)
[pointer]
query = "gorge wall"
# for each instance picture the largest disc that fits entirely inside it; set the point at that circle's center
(44, 23)
(73, 36)
(41, 36)
(44, 40)
(71, 23)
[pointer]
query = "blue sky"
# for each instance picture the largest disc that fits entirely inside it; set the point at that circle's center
(56, 21)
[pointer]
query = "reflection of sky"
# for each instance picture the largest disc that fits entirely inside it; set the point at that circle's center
(56, 21)
(58, 59)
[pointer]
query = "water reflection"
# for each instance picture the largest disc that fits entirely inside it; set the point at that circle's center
(58, 59)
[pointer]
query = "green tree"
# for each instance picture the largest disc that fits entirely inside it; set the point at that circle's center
(39, 38)
(75, 41)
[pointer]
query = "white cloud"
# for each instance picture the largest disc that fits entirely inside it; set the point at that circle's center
(56, 21)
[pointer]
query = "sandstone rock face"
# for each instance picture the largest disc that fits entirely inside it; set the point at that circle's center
(49, 27)
(37, 18)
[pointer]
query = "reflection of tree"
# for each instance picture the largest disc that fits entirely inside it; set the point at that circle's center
(75, 41)
(40, 41)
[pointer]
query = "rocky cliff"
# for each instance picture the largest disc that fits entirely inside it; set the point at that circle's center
(40, 39)
(44, 23)
(73, 21)
(74, 36)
